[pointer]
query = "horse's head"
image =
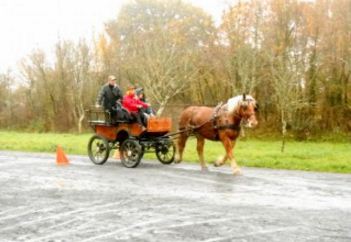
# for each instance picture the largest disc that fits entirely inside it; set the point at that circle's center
(245, 107)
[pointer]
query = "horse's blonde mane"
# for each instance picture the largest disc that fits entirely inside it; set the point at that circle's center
(234, 102)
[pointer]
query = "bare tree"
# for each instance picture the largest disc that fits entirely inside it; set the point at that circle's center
(164, 73)
(81, 76)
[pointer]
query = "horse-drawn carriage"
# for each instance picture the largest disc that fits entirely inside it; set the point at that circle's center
(130, 138)
(221, 123)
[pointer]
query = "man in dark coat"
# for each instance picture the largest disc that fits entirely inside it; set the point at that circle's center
(108, 96)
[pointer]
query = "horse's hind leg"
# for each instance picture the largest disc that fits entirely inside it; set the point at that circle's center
(181, 145)
(200, 152)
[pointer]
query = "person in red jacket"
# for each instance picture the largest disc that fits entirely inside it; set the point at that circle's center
(133, 105)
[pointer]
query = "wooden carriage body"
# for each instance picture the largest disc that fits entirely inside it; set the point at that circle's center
(132, 139)
(118, 131)
(102, 124)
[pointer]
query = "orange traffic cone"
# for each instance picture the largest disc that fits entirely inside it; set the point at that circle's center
(61, 158)
(117, 155)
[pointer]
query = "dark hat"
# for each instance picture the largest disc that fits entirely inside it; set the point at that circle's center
(139, 90)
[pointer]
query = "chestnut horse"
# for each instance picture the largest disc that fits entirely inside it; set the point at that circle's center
(221, 123)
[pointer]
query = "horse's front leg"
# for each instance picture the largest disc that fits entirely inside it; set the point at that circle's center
(229, 146)
(235, 168)
(220, 161)
(200, 152)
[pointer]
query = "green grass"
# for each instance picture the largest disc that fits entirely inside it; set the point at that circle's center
(310, 156)
(44, 142)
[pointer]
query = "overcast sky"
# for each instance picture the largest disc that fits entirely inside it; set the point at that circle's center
(29, 24)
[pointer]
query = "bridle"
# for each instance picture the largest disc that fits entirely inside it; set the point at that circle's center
(245, 120)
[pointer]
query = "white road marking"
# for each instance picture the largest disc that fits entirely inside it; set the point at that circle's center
(12, 209)
(158, 229)
(86, 225)
(59, 215)
(259, 232)
(25, 213)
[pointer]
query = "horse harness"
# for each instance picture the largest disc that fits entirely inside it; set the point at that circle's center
(219, 120)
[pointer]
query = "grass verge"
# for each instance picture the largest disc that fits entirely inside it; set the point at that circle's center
(309, 156)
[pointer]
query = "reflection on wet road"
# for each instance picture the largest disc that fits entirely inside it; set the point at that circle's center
(84, 202)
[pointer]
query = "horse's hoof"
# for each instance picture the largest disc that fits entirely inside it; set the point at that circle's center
(237, 172)
(219, 162)
(204, 169)
(215, 164)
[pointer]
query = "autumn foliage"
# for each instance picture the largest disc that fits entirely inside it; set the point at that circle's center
(293, 56)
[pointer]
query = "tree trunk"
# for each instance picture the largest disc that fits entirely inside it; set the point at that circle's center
(162, 106)
(283, 130)
(161, 109)
(80, 122)
(81, 117)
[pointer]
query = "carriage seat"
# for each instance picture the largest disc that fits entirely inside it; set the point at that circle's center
(122, 115)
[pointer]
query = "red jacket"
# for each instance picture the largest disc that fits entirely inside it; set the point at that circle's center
(131, 103)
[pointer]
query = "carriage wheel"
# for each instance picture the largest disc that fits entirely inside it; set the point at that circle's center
(131, 153)
(165, 152)
(98, 149)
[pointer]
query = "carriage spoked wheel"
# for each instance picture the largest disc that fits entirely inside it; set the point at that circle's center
(98, 149)
(165, 152)
(131, 153)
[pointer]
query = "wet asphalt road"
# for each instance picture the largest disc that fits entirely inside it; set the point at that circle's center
(40, 201)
